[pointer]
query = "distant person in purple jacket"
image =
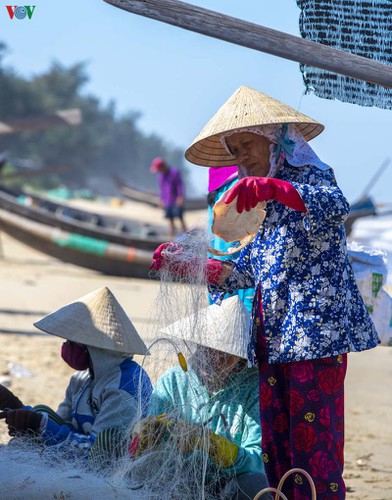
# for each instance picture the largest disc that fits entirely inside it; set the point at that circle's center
(171, 193)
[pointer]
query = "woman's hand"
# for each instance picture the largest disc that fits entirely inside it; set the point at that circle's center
(149, 434)
(253, 190)
(22, 421)
(189, 437)
(173, 257)
(164, 254)
(8, 399)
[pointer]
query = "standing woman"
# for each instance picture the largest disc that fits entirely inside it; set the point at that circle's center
(307, 311)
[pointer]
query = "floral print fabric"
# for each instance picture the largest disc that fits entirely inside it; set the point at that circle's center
(302, 408)
(298, 263)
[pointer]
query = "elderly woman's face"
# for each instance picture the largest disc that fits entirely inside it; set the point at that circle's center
(216, 364)
(251, 152)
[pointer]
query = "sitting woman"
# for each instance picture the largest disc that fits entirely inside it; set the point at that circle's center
(209, 411)
(108, 391)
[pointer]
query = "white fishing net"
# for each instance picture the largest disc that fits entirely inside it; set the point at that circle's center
(171, 456)
(164, 469)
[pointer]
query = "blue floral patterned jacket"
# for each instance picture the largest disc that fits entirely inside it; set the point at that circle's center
(299, 265)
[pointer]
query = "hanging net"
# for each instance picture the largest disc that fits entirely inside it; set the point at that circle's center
(359, 27)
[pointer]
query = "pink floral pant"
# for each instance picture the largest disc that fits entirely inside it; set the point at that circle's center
(302, 416)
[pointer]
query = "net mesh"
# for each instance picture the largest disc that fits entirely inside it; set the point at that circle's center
(359, 27)
(165, 468)
(170, 458)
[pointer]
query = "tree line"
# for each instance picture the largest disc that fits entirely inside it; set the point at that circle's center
(103, 146)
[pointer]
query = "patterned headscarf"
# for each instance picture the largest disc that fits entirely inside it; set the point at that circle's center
(287, 143)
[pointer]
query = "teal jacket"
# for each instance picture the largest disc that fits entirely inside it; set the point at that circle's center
(233, 412)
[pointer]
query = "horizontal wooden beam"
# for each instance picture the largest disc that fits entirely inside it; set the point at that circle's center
(65, 118)
(254, 36)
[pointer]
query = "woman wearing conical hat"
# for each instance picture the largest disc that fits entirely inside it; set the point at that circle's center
(211, 410)
(307, 312)
(106, 393)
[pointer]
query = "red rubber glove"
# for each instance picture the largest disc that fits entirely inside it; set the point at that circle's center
(8, 399)
(22, 422)
(214, 270)
(164, 254)
(169, 255)
(253, 190)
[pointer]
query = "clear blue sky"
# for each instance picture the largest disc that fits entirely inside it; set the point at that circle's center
(177, 79)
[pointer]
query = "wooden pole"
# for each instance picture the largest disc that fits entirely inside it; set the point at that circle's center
(375, 177)
(254, 36)
(65, 118)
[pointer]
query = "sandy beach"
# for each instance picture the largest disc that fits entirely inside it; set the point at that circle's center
(33, 285)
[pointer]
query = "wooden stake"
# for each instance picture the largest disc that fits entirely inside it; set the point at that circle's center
(254, 36)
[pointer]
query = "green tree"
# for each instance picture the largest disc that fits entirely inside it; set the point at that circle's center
(103, 146)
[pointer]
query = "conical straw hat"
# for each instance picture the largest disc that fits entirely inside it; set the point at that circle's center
(245, 108)
(224, 327)
(98, 320)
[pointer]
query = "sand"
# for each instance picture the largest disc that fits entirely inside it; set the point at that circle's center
(33, 284)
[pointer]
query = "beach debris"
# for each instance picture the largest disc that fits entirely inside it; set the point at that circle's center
(18, 370)
(371, 274)
(352, 475)
(364, 460)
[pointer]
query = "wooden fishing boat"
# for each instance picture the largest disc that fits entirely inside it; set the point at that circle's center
(125, 232)
(362, 208)
(97, 254)
(103, 243)
(152, 199)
